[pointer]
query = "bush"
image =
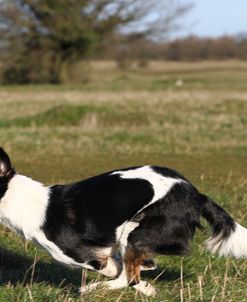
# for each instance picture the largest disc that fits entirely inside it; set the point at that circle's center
(36, 67)
(15, 75)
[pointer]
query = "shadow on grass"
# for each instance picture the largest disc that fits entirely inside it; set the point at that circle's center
(20, 269)
(161, 274)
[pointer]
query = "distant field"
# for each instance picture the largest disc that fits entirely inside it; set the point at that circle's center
(125, 118)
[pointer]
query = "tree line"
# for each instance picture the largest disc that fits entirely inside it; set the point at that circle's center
(191, 48)
(194, 48)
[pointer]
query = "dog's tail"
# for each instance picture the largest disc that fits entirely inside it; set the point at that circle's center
(228, 237)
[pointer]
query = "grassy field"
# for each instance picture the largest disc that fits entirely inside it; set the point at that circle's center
(59, 134)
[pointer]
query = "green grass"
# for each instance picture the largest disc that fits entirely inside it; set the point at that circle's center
(59, 134)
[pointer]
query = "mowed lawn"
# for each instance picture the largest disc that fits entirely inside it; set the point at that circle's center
(197, 125)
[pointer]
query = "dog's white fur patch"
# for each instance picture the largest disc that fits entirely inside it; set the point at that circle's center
(23, 209)
(123, 231)
(112, 268)
(235, 245)
(161, 184)
(24, 204)
(55, 251)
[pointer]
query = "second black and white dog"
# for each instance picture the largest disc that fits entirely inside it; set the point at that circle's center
(138, 211)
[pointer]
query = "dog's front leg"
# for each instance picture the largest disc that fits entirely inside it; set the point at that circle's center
(118, 283)
(130, 276)
(111, 268)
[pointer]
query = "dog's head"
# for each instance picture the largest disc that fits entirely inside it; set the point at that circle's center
(6, 172)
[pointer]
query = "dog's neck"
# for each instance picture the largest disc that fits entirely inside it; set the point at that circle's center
(23, 206)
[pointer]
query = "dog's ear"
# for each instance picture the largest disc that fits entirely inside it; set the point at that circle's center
(5, 164)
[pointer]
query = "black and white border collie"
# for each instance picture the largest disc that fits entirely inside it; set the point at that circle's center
(137, 212)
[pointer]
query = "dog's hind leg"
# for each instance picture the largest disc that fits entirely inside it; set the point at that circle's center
(148, 265)
(133, 261)
(130, 275)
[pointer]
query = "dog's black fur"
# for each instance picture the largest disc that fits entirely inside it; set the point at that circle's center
(85, 215)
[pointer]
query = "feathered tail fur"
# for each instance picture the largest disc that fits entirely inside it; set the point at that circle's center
(228, 237)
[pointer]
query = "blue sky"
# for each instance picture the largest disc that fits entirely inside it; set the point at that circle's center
(215, 18)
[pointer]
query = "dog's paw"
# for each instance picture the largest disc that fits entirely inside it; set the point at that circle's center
(146, 288)
(88, 288)
(105, 285)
